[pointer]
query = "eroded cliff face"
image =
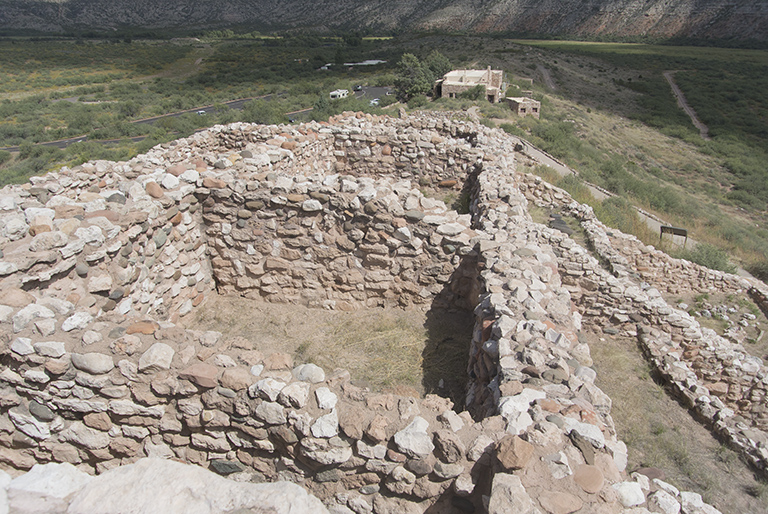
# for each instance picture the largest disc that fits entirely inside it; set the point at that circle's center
(690, 18)
(726, 19)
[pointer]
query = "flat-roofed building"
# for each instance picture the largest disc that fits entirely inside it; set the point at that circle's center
(456, 82)
(524, 106)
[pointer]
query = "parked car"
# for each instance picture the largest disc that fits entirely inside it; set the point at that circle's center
(202, 113)
(358, 88)
(375, 101)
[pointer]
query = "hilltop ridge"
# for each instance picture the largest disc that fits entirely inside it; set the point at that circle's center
(706, 19)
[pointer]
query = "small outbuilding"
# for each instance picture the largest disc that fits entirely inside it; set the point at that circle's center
(524, 106)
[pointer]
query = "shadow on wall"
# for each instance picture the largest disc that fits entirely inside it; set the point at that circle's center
(450, 322)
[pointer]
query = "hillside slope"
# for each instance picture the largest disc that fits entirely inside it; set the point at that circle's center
(725, 19)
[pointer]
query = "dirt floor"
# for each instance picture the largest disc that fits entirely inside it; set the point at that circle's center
(661, 433)
(414, 351)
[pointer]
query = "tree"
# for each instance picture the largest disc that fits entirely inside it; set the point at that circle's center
(352, 39)
(415, 77)
(412, 78)
(438, 64)
(322, 104)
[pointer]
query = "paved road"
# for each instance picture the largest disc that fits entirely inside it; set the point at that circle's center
(61, 143)
(204, 110)
(653, 222)
(703, 129)
(373, 92)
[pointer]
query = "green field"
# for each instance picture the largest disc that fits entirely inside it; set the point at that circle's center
(64, 88)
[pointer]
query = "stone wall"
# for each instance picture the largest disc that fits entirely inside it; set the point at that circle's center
(715, 377)
(100, 265)
(350, 237)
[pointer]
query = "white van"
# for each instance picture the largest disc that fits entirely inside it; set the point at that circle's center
(339, 93)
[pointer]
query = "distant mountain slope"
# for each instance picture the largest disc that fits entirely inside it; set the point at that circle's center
(728, 19)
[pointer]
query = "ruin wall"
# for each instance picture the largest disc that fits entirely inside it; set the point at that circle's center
(102, 264)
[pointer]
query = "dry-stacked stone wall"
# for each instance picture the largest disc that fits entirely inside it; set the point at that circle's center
(717, 378)
(359, 233)
(102, 263)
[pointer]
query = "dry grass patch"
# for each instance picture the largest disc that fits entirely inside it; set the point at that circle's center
(660, 433)
(409, 351)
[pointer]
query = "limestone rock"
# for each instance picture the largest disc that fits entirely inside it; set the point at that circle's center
(325, 398)
(326, 451)
(81, 435)
(630, 494)
(271, 413)
(663, 502)
(45, 488)
(414, 440)
(30, 425)
(93, 363)
(295, 395)
(78, 321)
(508, 495)
(311, 373)
(159, 485)
(267, 388)
(53, 349)
(29, 313)
(158, 357)
(326, 426)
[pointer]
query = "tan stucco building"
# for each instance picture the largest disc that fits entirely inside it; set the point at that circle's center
(524, 106)
(458, 81)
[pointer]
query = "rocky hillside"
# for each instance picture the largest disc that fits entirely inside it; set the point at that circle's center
(727, 19)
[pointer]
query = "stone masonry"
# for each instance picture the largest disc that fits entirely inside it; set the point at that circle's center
(101, 265)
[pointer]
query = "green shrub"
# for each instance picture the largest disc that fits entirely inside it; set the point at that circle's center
(759, 270)
(476, 93)
(577, 189)
(4, 157)
(707, 255)
(488, 123)
(417, 101)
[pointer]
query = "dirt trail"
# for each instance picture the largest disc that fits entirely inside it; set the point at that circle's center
(703, 129)
(548, 80)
